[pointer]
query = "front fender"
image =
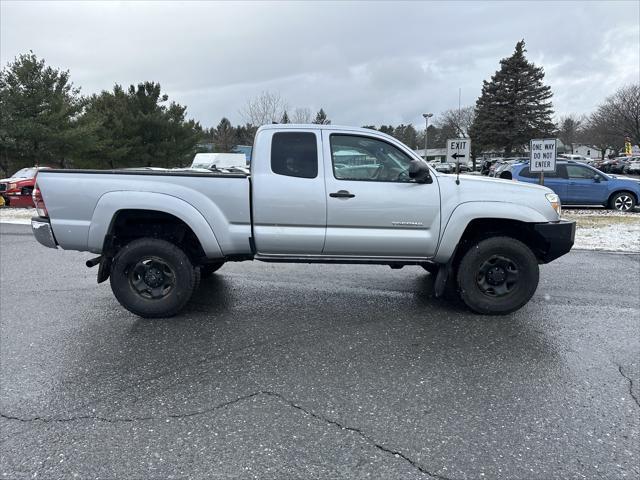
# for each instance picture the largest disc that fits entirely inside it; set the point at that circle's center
(112, 202)
(464, 213)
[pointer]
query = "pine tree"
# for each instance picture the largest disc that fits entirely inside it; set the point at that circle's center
(135, 128)
(224, 136)
(39, 109)
(285, 118)
(321, 118)
(514, 107)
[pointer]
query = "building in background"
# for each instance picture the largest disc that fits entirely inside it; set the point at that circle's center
(433, 154)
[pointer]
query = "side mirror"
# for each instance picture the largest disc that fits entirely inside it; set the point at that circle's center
(596, 178)
(419, 171)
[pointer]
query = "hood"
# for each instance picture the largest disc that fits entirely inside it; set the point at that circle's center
(497, 183)
(519, 196)
(627, 179)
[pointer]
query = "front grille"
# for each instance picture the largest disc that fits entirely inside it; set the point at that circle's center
(3, 187)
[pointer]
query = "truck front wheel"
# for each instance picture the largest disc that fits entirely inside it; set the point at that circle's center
(498, 276)
(152, 278)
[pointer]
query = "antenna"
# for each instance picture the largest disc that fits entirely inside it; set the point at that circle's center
(459, 129)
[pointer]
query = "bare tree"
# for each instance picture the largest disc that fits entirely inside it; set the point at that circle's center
(458, 121)
(622, 112)
(301, 115)
(616, 118)
(268, 107)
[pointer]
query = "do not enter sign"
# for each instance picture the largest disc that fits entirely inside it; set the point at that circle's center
(543, 155)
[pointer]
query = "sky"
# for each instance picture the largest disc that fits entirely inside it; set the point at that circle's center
(363, 62)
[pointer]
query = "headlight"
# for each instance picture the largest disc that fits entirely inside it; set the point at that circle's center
(12, 186)
(554, 200)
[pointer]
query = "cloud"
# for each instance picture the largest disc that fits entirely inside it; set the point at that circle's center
(363, 62)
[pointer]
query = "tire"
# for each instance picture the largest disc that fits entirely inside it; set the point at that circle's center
(497, 276)
(152, 278)
(622, 201)
(210, 268)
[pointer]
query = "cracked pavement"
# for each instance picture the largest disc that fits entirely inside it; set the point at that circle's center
(312, 371)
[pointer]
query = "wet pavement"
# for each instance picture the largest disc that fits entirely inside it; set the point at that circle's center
(316, 371)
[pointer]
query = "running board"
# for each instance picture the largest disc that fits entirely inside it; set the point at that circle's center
(345, 259)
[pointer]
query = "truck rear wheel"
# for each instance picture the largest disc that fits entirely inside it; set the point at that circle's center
(498, 276)
(152, 278)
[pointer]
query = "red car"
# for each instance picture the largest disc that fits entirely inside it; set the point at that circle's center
(17, 189)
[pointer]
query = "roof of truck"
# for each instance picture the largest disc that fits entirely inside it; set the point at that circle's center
(293, 126)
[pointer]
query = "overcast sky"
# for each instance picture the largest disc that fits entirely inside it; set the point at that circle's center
(364, 63)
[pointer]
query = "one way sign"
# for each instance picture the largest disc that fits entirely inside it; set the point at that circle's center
(458, 150)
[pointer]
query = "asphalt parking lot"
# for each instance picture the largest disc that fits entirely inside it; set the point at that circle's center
(298, 371)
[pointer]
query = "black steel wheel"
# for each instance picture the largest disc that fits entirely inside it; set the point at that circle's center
(498, 275)
(152, 278)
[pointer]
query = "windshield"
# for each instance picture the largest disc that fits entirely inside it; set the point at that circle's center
(25, 173)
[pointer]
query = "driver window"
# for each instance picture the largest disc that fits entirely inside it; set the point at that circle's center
(368, 159)
(580, 172)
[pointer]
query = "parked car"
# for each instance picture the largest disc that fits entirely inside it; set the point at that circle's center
(501, 165)
(616, 165)
(486, 165)
(580, 184)
(576, 158)
(157, 231)
(16, 190)
(445, 167)
(632, 166)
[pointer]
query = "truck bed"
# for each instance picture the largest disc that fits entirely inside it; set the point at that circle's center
(80, 202)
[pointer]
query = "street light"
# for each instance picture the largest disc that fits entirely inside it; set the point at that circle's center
(426, 116)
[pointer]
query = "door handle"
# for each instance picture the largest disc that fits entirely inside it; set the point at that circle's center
(342, 194)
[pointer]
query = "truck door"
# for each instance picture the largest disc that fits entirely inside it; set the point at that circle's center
(288, 192)
(373, 208)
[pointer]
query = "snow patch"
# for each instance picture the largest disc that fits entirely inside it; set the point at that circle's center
(17, 216)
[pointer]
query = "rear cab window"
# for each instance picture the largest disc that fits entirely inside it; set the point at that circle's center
(294, 154)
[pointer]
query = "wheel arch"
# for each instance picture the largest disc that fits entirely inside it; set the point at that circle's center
(158, 215)
(622, 190)
(473, 220)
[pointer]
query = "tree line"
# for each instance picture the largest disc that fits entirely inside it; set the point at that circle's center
(44, 120)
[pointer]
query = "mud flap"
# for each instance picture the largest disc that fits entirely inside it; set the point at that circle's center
(443, 275)
(104, 270)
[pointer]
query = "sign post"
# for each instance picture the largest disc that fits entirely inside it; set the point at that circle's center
(543, 156)
(458, 149)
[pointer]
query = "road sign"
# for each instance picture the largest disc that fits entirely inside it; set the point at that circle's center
(543, 155)
(458, 150)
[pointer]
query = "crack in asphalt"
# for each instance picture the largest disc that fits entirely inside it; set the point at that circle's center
(633, 395)
(268, 393)
(395, 453)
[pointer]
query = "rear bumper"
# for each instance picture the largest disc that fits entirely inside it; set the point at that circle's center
(557, 238)
(41, 228)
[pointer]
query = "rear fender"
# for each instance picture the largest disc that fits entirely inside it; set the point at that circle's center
(112, 202)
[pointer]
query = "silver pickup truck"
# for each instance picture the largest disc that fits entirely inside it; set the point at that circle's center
(315, 194)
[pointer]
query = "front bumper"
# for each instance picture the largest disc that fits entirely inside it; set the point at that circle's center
(556, 238)
(41, 228)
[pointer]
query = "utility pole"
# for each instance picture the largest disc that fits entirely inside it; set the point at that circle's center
(426, 116)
